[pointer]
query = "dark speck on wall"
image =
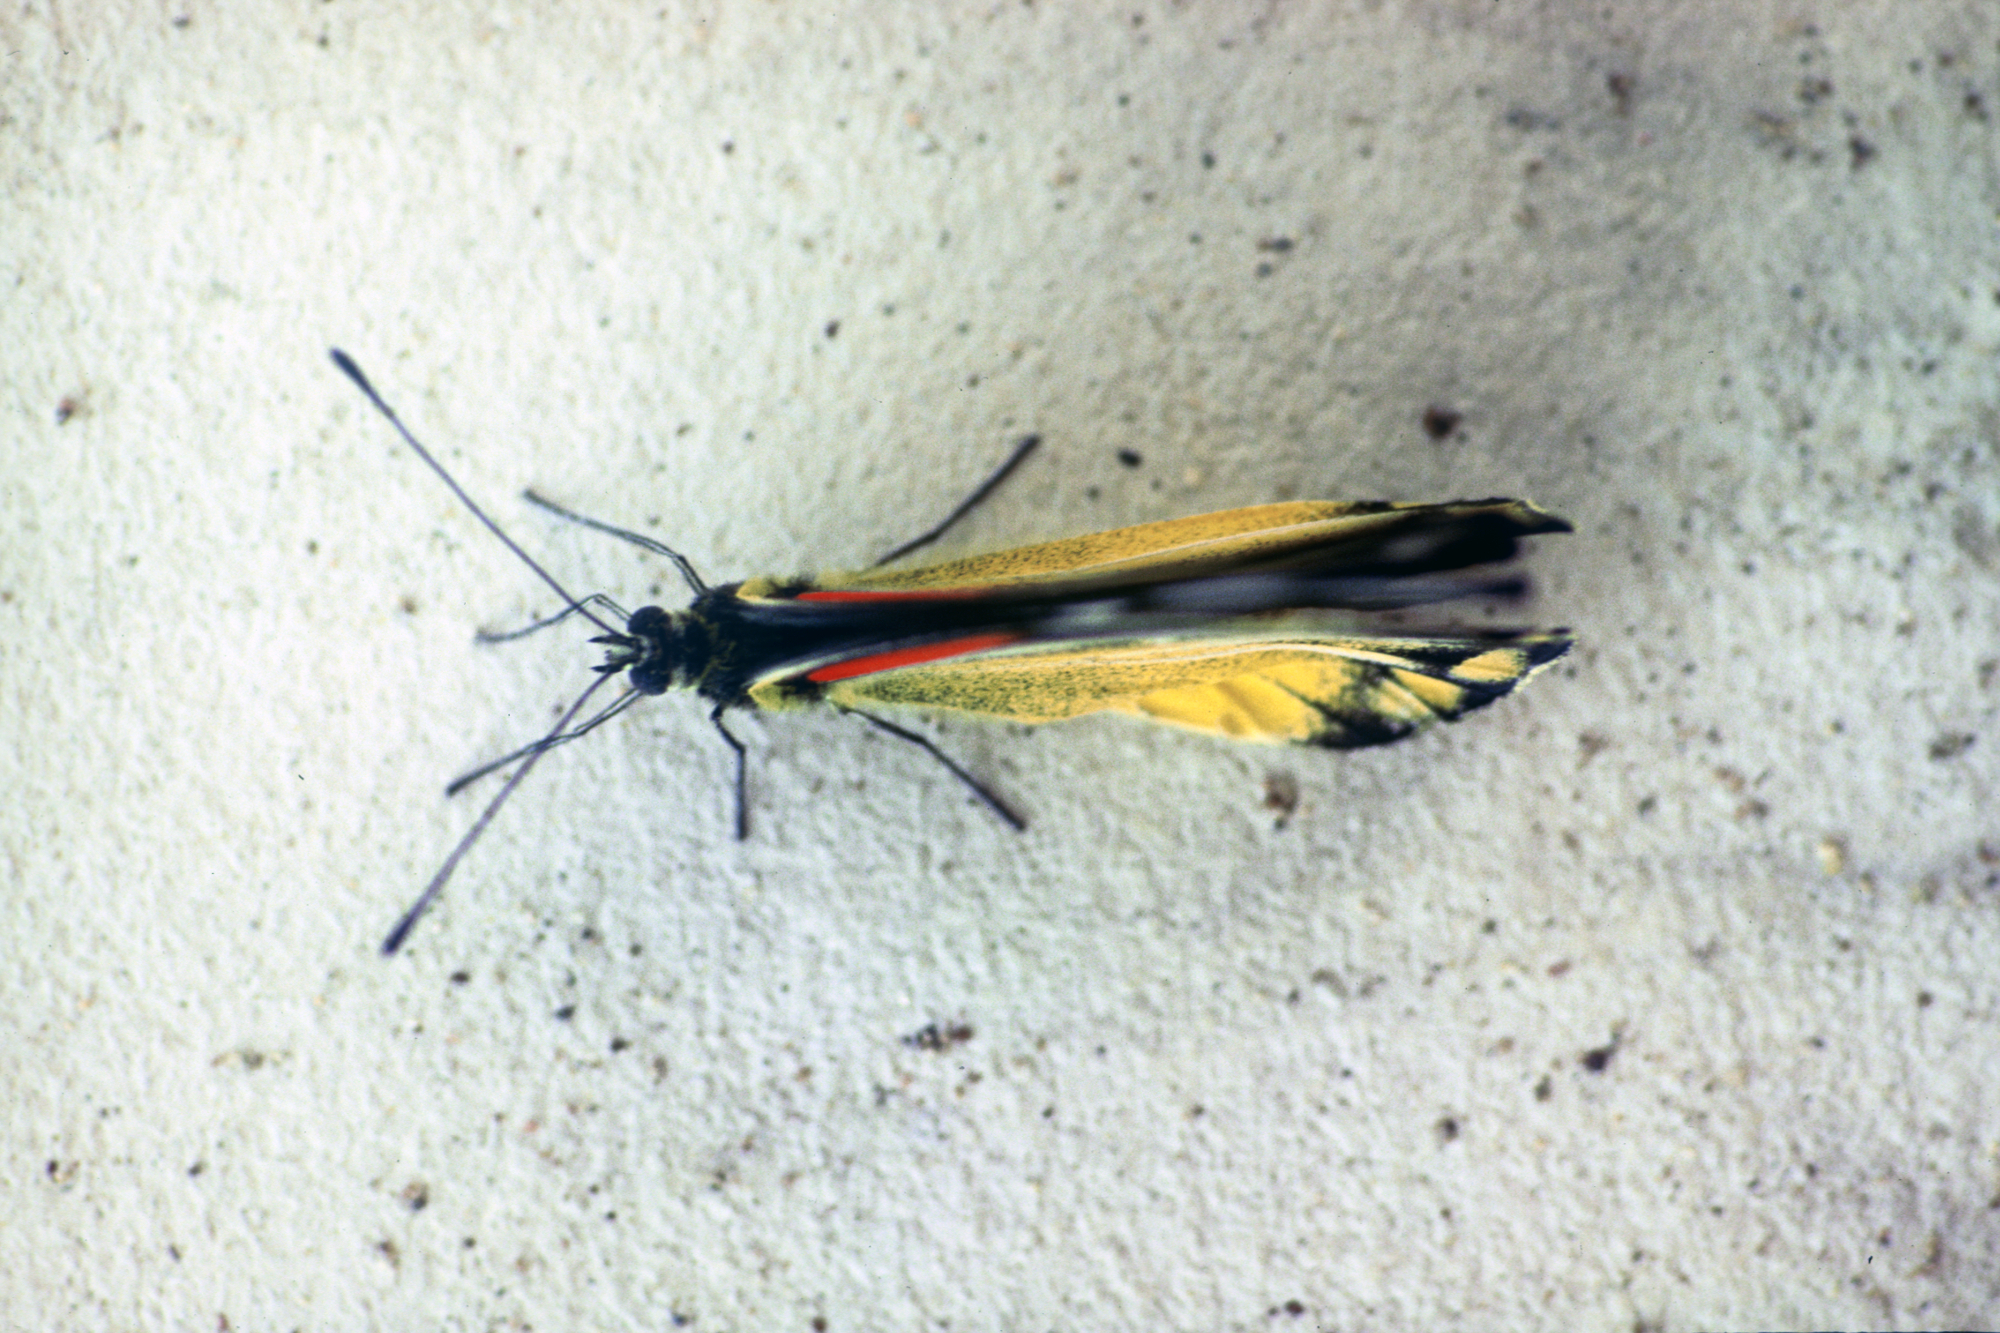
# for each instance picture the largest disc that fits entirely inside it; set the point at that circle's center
(939, 1037)
(1620, 85)
(1952, 744)
(1440, 422)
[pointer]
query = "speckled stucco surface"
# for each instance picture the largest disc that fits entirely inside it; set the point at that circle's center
(1661, 996)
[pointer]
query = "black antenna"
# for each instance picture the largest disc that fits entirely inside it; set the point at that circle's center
(531, 754)
(353, 372)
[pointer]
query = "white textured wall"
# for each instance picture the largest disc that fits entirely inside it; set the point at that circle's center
(1719, 282)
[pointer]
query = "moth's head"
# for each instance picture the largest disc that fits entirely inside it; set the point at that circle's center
(652, 648)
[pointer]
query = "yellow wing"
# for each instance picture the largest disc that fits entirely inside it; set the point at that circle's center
(1226, 541)
(1339, 691)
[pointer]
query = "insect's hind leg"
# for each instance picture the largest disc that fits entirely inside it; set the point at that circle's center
(1028, 445)
(972, 784)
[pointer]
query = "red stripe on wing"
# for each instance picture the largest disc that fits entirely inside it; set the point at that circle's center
(902, 657)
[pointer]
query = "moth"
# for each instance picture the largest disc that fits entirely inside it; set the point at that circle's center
(1279, 623)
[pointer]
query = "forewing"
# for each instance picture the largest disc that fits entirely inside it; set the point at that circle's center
(1339, 691)
(1262, 536)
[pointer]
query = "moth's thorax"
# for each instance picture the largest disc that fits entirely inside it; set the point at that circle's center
(653, 649)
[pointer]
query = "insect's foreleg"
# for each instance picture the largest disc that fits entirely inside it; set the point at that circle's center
(549, 742)
(638, 539)
(597, 599)
(534, 753)
(972, 784)
(742, 803)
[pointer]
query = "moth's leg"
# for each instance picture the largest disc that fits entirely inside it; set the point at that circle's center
(636, 538)
(742, 804)
(534, 754)
(972, 784)
(597, 599)
(1028, 445)
(548, 742)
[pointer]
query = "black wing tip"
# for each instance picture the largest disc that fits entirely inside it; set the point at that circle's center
(1539, 647)
(1360, 728)
(1525, 517)
(1533, 520)
(1361, 731)
(1547, 646)
(1551, 523)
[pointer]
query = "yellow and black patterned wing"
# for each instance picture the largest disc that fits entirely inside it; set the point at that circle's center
(1305, 533)
(1336, 690)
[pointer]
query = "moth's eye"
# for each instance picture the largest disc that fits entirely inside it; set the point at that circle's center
(655, 675)
(648, 622)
